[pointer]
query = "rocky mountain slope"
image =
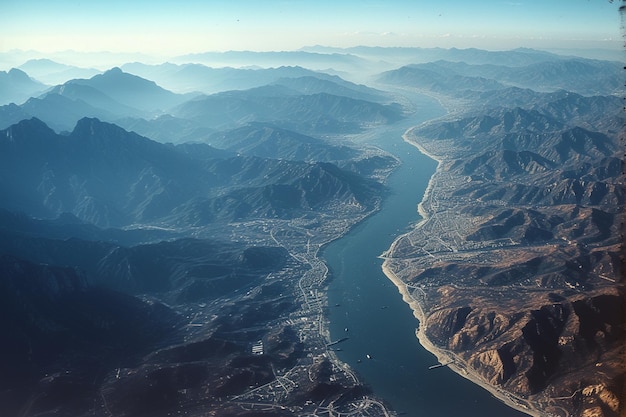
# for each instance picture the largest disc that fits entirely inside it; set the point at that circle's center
(517, 268)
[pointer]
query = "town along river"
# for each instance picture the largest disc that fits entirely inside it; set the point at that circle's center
(362, 300)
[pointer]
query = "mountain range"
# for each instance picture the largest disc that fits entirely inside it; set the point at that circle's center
(51, 72)
(577, 75)
(160, 227)
(321, 112)
(304, 103)
(46, 174)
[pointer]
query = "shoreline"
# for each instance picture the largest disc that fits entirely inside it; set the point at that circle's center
(451, 360)
(420, 206)
(454, 362)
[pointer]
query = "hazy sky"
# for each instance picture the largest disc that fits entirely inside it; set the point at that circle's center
(171, 27)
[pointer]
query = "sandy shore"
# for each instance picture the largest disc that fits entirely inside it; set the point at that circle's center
(453, 361)
(420, 207)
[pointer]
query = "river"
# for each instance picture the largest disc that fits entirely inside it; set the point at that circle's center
(379, 324)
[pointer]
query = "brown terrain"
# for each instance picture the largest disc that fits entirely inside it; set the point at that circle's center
(516, 270)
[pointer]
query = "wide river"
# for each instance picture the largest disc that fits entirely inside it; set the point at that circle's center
(379, 324)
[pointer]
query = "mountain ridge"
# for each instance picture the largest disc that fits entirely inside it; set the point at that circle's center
(148, 181)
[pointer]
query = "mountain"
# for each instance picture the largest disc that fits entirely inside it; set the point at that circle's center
(132, 91)
(516, 143)
(109, 96)
(63, 106)
(331, 85)
(107, 176)
(438, 81)
(132, 102)
(166, 128)
(287, 108)
(166, 268)
(62, 113)
(11, 114)
(53, 174)
(583, 76)
(95, 98)
(498, 121)
(54, 73)
(578, 75)
(67, 226)
(413, 55)
(590, 112)
(16, 87)
(187, 78)
(596, 113)
(53, 314)
(272, 59)
(293, 191)
(268, 141)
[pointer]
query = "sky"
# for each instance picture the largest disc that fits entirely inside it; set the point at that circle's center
(176, 27)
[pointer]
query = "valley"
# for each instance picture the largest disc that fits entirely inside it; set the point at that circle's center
(163, 252)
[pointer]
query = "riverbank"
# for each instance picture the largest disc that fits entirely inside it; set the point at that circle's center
(420, 207)
(454, 362)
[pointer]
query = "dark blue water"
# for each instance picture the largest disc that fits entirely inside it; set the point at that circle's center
(379, 323)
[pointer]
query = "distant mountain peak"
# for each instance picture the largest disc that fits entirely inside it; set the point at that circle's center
(114, 70)
(26, 129)
(95, 131)
(88, 121)
(33, 122)
(131, 90)
(90, 126)
(44, 61)
(14, 72)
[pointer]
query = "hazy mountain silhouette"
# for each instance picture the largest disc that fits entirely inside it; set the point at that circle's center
(95, 98)
(186, 78)
(414, 55)
(272, 59)
(109, 177)
(16, 87)
(331, 85)
(578, 75)
(53, 73)
(60, 112)
(167, 128)
(131, 90)
(288, 108)
(438, 81)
